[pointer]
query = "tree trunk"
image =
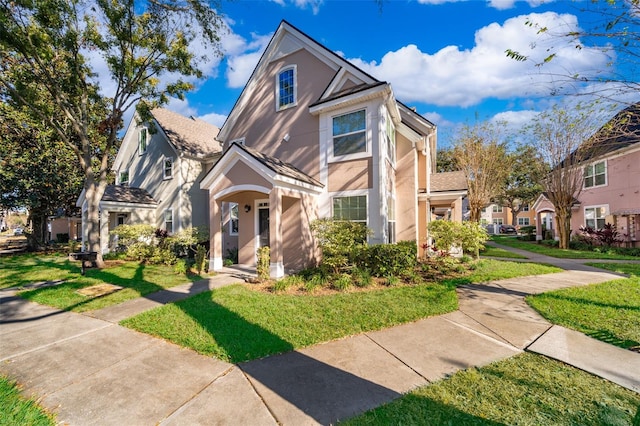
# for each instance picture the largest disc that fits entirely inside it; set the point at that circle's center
(474, 214)
(563, 225)
(93, 194)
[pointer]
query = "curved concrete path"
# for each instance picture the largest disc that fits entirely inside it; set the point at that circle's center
(89, 370)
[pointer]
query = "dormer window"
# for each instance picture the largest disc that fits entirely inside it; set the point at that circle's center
(286, 88)
(142, 140)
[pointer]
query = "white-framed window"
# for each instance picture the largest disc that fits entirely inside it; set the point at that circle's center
(143, 135)
(497, 221)
(352, 208)
(595, 174)
(286, 88)
(391, 141)
(349, 133)
(123, 177)
(167, 168)
(523, 221)
(391, 218)
(525, 208)
(233, 219)
(595, 217)
(168, 220)
(497, 208)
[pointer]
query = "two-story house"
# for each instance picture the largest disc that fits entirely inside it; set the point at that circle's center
(158, 170)
(314, 136)
(611, 182)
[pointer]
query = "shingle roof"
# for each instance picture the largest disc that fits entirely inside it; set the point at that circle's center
(448, 181)
(280, 166)
(188, 134)
(127, 194)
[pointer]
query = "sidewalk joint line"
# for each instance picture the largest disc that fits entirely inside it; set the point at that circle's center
(273, 415)
(396, 357)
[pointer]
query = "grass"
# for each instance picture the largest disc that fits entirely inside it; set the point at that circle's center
(621, 268)
(608, 311)
(491, 251)
(17, 410)
(237, 323)
(137, 280)
(525, 390)
(556, 252)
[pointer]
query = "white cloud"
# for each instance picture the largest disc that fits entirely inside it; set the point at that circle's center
(213, 118)
(496, 4)
(454, 77)
(302, 4)
(244, 58)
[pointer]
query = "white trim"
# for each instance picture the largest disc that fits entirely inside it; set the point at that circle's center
(146, 142)
(120, 182)
(173, 222)
(240, 188)
(276, 270)
(593, 167)
(294, 104)
(368, 129)
(353, 193)
(256, 223)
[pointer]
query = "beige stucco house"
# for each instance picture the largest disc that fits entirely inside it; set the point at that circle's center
(158, 171)
(611, 185)
(314, 136)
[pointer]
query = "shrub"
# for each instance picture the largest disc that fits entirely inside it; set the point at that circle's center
(232, 255)
(181, 267)
(470, 236)
(338, 241)
(62, 238)
(201, 253)
(263, 266)
(528, 230)
(342, 282)
(387, 259)
(227, 262)
(362, 277)
(392, 280)
(128, 235)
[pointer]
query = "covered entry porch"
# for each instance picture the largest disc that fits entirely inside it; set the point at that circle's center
(276, 205)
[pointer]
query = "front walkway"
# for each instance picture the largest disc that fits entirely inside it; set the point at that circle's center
(89, 370)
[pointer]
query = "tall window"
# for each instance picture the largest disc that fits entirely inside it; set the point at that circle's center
(497, 208)
(123, 177)
(168, 220)
(594, 217)
(287, 91)
(595, 174)
(350, 208)
(167, 168)
(349, 133)
(523, 221)
(142, 140)
(391, 219)
(391, 141)
(233, 219)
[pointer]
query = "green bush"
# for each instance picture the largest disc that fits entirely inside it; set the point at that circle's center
(263, 268)
(362, 277)
(131, 234)
(181, 267)
(201, 253)
(528, 230)
(342, 282)
(470, 236)
(339, 240)
(387, 259)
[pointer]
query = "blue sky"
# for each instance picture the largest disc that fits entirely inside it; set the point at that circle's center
(445, 58)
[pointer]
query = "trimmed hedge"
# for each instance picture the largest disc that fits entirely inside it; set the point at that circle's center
(384, 260)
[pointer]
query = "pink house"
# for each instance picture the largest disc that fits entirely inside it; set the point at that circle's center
(314, 136)
(611, 191)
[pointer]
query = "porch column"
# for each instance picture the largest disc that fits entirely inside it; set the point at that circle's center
(104, 231)
(538, 226)
(456, 210)
(275, 233)
(215, 235)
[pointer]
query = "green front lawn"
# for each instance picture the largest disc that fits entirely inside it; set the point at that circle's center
(609, 311)
(17, 410)
(137, 280)
(490, 251)
(527, 389)
(556, 252)
(238, 323)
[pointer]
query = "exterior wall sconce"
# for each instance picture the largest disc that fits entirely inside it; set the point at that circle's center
(247, 208)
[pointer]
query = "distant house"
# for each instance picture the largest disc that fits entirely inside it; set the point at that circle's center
(158, 171)
(502, 215)
(611, 184)
(313, 136)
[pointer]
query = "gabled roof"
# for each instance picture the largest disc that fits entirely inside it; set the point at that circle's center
(622, 131)
(280, 167)
(448, 181)
(190, 135)
(127, 194)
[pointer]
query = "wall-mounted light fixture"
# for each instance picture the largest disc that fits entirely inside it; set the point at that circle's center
(247, 208)
(286, 138)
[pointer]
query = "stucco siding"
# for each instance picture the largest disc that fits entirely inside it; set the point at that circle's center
(349, 175)
(406, 191)
(240, 174)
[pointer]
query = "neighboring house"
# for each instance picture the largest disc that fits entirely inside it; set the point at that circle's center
(611, 191)
(313, 136)
(502, 215)
(158, 170)
(64, 225)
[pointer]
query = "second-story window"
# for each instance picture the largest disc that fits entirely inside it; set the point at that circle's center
(595, 174)
(142, 140)
(497, 208)
(286, 90)
(167, 168)
(349, 133)
(123, 177)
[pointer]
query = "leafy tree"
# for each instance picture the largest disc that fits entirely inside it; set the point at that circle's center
(523, 184)
(446, 161)
(469, 236)
(481, 153)
(37, 170)
(613, 28)
(51, 51)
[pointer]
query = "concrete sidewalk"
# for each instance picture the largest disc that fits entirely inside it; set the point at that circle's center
(89, 370)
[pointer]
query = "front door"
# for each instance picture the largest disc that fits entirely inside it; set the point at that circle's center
(263, 226)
